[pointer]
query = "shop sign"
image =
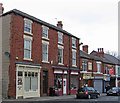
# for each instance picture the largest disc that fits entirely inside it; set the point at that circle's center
(19, 82)
(111, 72)
(87, 76)
(106, 78)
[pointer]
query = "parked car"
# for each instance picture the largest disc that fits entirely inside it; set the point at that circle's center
(87, 92)
(114, 91)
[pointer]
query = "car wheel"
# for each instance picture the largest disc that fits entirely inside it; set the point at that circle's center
(118, 94)
(89, 96)
(107, 94)
(97, 96)
(77, 97)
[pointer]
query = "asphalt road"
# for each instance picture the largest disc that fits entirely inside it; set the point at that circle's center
(68, 99)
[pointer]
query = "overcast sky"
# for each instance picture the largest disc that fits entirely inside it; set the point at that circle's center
(95, 22)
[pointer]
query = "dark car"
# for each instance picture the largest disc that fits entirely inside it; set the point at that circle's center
(87, 92)
(114, 91)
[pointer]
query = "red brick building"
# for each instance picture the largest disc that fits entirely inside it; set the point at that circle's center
(41, 56)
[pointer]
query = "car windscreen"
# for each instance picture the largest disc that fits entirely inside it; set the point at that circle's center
(81, 90)
(114, 88)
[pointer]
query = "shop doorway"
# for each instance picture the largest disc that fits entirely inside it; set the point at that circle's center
(45, 82)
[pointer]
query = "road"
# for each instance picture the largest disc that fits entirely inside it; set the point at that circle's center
(69, 99)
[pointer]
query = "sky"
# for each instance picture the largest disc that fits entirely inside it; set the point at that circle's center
(95, 22)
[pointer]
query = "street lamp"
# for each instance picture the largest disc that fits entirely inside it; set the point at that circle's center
(79, 66)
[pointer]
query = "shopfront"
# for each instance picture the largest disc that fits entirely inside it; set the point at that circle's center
(60, 82)
(74, 82)
(98, 84)
(106, 83)
(87, 80)
(27, 81)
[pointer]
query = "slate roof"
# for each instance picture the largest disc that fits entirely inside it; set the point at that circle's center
(95, 57)
(39, 21)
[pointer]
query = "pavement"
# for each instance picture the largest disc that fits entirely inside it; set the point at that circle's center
(46, 98)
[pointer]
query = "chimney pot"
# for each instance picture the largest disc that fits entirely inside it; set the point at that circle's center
(85, 48)
(1, 8)
(60, 25)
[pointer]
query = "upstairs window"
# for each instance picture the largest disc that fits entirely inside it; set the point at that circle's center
(28, 26)
(73, 42)
(60, 37)
(84, 65)
(60, 55)
(27, 49)
(99, 67)
(73, 58)
(45, 32)
(106, 69)
(45, 52)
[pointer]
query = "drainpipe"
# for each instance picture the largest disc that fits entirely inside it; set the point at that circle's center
(79, 66)
(69, 65)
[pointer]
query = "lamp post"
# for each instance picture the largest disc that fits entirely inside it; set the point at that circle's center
(79, 66)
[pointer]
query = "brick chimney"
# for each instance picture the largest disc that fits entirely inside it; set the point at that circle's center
(85, 48)
(60, 25)
(101, 52)
(1, 8)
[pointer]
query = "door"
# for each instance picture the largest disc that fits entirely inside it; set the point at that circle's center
(64, 86)
(45, 82)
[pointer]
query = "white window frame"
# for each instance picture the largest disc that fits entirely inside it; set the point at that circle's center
(61, 47)
(74, 51)
(45, 27)
(30, 21)
(85, 64)
(89, 65)
(61, 34)
(72, 43)
(45, 43)
(98, 67)
(28, 38)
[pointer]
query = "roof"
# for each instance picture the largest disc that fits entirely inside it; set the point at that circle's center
(112, 58)
(83, 54)
(39, 21)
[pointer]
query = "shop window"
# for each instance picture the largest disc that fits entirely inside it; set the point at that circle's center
(58, 81)
(31, 81)
(20, 73)
(74, 82)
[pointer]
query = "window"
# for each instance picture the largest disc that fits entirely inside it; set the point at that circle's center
(27, 49)
(45, 32)
(27, 26)
(73, 42)
(58, 81)
(31, 81)
(118, 70)
(98, 67)
(90, 66)
(74, 80)
(105, 69)
(45, 52)
(84, 65)
(60, 37)
(73, 58)
(60, 55)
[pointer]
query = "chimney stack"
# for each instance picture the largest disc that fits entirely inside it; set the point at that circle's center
(1, 9)
(60, 25)
(101, 52)
(85, 48)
